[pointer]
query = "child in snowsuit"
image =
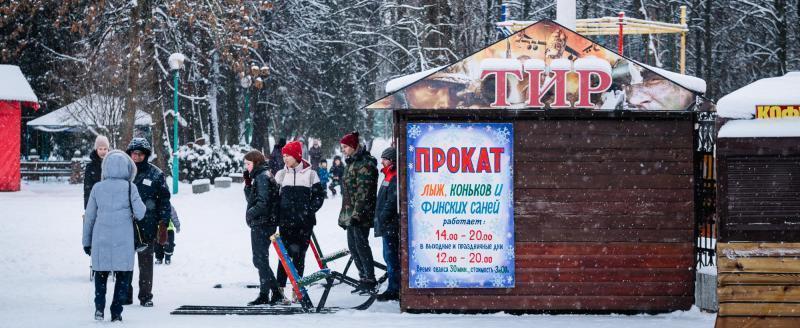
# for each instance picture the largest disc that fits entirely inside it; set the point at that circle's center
(337, 172)
(164, 252)
(322, 171)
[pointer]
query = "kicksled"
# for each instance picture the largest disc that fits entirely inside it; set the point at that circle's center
(325, 276)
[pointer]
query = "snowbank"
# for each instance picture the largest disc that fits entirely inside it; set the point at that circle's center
(784, 127)
(742, 103)
(14, 86)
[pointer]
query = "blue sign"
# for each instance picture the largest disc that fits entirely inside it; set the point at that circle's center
(460, 205)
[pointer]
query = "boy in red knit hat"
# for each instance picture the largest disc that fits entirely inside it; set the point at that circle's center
(359, 187)
(301, 196)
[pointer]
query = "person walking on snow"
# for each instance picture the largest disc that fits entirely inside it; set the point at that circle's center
(108, 230)
(152, 186)
(387, 224)
(301, 197)
(336, 173)
(315, 155)
(263, 200)
(93, 172)
(275, 162)
(324, 176)
(166, 247)
(359, 186)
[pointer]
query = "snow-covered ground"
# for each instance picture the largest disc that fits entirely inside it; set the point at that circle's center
(44, 274)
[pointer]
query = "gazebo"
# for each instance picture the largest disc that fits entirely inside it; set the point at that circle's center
(15, 92)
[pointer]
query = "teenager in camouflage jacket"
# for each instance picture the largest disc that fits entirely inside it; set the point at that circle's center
(359, 186)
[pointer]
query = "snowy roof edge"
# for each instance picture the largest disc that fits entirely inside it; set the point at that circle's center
(14, 86)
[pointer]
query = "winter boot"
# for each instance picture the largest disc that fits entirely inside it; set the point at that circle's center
(369, 288)
(159, 261)
(333, 190)
(277, 297)
(168, 260)
(98, 315)
(261, 300)
(388, 296)
(117, 317)
(148, 303)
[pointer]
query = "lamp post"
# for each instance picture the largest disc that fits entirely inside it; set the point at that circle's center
(246, 82)
(175, 64)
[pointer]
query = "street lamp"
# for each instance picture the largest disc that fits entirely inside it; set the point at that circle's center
(246, 80)
(175, 64)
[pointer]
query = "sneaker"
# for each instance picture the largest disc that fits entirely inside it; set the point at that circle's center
(117, 317)
(159, 261)
(388, 296)
(148, 303)
(98, 315)
(261, 300)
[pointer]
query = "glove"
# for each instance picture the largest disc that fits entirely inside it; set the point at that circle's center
(88, 250)
(248, 181)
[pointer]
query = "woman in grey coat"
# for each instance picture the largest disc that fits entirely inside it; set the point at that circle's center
(108, 229)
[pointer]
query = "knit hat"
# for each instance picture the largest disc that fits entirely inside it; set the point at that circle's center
(101, 141)
(390, 154)
(350, 139)
(294, 149)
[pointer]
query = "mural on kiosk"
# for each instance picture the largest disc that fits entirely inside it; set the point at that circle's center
(543, 66)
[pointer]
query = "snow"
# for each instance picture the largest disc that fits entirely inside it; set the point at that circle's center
(200, 182)
(708, 270)
(561, 64)
(501, 64)
(45, 272)
(102, 110)
(781, 90)
(533, 63)
(687, 81)
(228, 179)
(14, 86)
(781, 127)
(176, 61)
(406, 80)
(593, 63)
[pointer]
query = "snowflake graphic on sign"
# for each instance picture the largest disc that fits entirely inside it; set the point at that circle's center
(414, 131)
(421, 282)
(502, 135)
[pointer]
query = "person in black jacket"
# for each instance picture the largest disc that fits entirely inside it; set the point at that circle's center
(315, 155)
(153, 190)
(337, 172)
(387, 224)
(275, 163)
(301, 197)
(263, 199)
(94, 170)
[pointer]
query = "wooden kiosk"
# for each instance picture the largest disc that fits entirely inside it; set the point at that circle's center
(546, 173)
(758, 153)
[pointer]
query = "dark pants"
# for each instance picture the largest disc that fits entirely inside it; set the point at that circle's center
(120, 290)
(391, 254)
(358, 243)
(295, 239)
(259, 241)
(167, 249)
(145, 259)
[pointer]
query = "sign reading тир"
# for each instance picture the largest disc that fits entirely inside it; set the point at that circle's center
(460, 205)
